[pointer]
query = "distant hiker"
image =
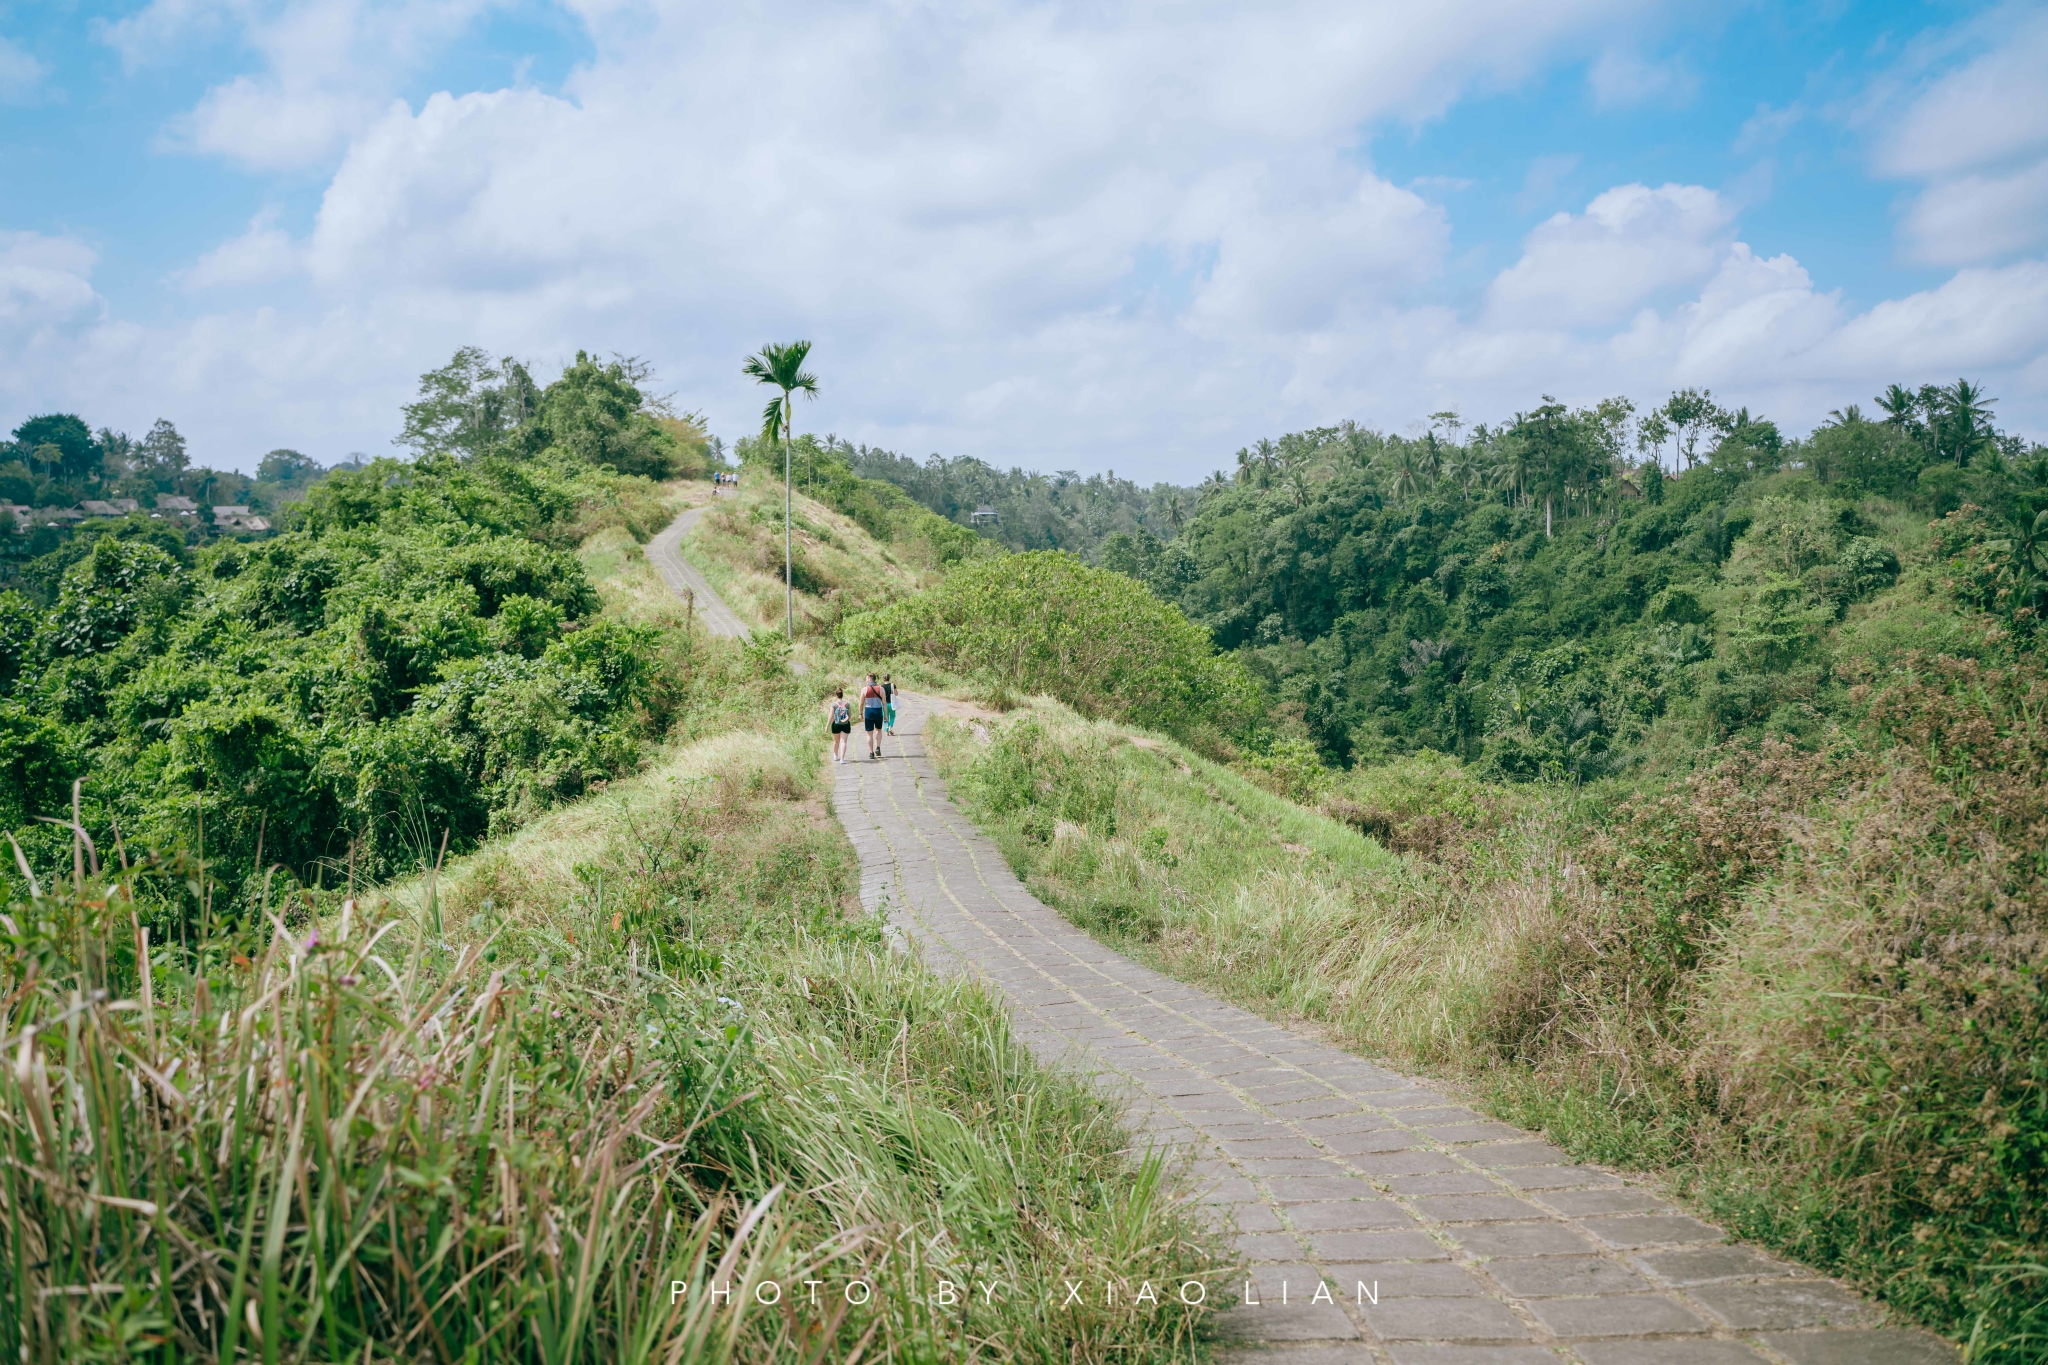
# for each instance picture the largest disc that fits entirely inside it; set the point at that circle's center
(888, 706)
(840, 713)
(873, 704)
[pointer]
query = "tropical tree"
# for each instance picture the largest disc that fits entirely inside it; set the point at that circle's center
(1692, 413)
(1901, 406)
(1965, 419)
(1402, 464)
(1651, 434)
(782, 367)
(1555, 450)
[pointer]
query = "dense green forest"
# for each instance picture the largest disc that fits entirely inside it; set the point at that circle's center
(1536, 597)
(1060, 511)
(416, 656)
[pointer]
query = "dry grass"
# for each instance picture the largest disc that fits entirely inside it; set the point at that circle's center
(1806, 983)
(494, 1114)
(841, 569)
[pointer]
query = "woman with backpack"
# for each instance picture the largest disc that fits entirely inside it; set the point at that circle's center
(840, 714)
(872, 704)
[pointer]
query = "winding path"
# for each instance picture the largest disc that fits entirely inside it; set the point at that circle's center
(686, 582)
(1483, 1244)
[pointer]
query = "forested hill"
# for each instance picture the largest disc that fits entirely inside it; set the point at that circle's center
(417, 655)
(1060, 511)
(1539, 597)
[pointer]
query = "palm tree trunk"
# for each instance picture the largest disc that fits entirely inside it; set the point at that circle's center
(1546, 516)
(788, 576)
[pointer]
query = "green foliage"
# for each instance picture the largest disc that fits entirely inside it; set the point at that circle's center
(1060, 511)
(415, 654)
(595, 413)
(1046, 622)
(660, 1046)
(822, 469)
(1520, 598)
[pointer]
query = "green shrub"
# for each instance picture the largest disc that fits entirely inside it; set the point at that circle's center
(1046, 622)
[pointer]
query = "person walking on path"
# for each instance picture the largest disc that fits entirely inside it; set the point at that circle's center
(872, 705)
(839, 712)
(888, 706)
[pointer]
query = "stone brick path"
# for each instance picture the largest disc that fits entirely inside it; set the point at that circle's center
(683, 579)
(1486, 1245)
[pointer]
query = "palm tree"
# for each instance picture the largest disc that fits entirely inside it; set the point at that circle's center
(1403, 469)
(1967, 415)
(1900, 404)
(783, 367)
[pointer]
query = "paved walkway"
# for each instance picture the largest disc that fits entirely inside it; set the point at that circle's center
(686, 582)
(1483, 1244)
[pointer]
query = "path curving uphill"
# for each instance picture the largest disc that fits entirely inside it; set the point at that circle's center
(1484, 1244)
(686, 582)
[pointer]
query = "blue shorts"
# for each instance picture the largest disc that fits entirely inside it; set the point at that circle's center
(871, 718)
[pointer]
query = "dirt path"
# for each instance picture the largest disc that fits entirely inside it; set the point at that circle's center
(684, 580)
(1484, 1244)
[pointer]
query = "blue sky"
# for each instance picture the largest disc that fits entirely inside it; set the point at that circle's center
(1075, 236)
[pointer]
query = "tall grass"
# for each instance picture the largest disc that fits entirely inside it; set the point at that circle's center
(536, 1106)
(1807, 982)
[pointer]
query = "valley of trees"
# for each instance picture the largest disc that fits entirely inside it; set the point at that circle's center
(1061, 511)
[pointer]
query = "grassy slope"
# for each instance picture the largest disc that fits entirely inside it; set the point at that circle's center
(1820, 1048)
(842, 569)
(588, 1049)
(1190, 866)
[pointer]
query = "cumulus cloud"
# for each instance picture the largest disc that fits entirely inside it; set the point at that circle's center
(1064, 237)
(264, 254)
(1978, 135)
(1631, 244)
(44, 282)
(329, 68)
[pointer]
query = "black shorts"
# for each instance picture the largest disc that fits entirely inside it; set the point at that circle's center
(842, 727)
(872, 718)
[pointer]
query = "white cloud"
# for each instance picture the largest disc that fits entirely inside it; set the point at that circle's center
(1978, 320)
(1988, 111)
(1978, 135)
(1065, 238)
(44, 281)
(1979, 217)
(266, 126)
(1290, 258)
(1622, 80)
(1631, 244)
(21, 75)
(264, 254)
(330, 67)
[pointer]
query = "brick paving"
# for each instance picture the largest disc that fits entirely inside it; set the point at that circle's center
(1484, 1244)
(684, 580)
